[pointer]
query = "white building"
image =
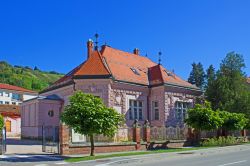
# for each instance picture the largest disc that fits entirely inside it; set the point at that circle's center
(10, 99)
(14, 95)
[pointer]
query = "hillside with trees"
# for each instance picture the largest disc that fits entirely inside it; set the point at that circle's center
(26, 77)
(226, 89)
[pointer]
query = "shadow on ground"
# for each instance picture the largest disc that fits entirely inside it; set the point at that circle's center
(31, 158)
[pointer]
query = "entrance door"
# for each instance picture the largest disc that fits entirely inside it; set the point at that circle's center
(8, 125)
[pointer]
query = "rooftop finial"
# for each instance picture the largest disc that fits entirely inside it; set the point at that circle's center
(159, 60)
(96, 41)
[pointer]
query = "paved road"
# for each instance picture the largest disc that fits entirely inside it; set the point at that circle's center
(226, 156)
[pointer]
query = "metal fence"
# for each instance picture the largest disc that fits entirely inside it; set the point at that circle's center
(50, 139)
(168, 133)
(122, 135)
(3, 141)
(214, 133)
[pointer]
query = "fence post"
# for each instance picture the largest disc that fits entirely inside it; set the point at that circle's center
(146, 132)
(136, 134)
(190, 136)
(244, 134)
(64, 139)
(43, 139)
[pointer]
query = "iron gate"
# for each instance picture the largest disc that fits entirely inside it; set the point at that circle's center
(3, 141)
(50, 139)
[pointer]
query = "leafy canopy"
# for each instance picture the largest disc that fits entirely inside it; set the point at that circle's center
(228, 90)
(233, 121)
(202, 117)
(87, 115)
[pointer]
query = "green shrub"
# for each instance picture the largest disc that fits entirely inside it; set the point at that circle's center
(222, 141)
(1, 122)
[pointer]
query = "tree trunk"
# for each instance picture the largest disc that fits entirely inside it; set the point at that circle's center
(92, 149)
(219, 132)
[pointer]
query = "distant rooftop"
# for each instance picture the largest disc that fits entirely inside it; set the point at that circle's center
(15, 88)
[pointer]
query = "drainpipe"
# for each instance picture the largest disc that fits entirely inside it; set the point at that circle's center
(148, 106)
(74, 86)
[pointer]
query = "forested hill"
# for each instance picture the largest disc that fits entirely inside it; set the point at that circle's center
(26, 77)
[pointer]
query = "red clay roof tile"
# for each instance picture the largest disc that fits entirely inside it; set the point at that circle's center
(15, 88)
(120, 65)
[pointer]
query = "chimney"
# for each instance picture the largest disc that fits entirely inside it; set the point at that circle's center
(136, 51)
(90, 47)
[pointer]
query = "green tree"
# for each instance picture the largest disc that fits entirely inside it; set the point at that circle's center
(1, 122)
(233, 121)
(210, 75)
(87, 115)
(229, 91)
(202, 117)
(25, 77)
(197, 75)
(210, 81)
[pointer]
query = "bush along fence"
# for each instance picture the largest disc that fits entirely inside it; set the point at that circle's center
(137, 137)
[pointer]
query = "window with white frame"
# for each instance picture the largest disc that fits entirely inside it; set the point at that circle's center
(1, 93)
(135, 110)
(1, 102)
(181, 110)
(7, 94)
(155, 108)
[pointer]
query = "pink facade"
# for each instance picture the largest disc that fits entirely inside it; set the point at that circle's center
(131, 84)
(37, 113)
(117, 95)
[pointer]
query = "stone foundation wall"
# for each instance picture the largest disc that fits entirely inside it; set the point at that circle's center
(101, 149)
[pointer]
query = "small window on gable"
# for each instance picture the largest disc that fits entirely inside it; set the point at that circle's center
(135, 70)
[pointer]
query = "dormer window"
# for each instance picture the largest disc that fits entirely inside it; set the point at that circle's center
(169, 73)
(135, 70)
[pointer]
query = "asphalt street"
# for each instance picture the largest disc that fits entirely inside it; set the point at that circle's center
(224, 156)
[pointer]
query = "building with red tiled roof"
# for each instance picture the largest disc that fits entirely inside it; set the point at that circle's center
(130, 83)
(14, 95)
(10, 98)
(16, 88)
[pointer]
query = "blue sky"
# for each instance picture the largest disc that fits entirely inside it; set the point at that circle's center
(52, 34)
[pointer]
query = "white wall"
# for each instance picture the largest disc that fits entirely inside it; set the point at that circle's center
(28, 97)
(6, 96)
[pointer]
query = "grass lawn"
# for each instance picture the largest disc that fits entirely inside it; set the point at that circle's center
(85, 158)
(102, 156)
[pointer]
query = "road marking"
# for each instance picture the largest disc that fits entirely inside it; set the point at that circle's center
(61, 163)
(237, 162)
(116, 161)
